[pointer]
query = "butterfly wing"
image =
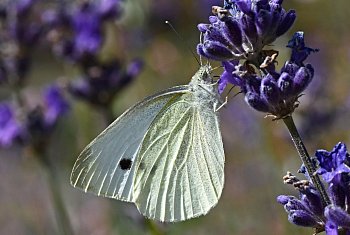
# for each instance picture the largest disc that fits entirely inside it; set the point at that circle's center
(180, 168)
(106, 166)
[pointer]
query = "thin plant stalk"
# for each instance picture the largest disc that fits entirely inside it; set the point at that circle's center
(61, 214)
(305, 158)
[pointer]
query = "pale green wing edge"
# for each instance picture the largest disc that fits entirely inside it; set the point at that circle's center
(180, 168)
(98, 168)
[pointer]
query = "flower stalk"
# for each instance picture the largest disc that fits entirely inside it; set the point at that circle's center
(305, 158)
(62, 219)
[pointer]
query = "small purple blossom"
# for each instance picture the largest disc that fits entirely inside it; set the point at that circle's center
(230, 75)
(299, 51)
(242, 28)
(10, 129)
(333, 164)
(55, 104)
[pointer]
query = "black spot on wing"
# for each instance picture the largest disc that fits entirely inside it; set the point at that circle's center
(125, 164)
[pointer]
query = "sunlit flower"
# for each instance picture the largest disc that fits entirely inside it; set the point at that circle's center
(241, 29)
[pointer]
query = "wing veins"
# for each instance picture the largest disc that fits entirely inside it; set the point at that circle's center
(162, 148)
(173, 161)
(165, 147)
(202, 150)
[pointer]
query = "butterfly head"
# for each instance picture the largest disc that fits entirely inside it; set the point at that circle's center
(203, 75)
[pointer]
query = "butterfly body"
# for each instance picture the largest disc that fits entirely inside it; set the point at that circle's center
(165, 154)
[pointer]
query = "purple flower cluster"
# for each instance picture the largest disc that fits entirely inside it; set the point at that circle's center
(237, 35)
(76, 32)
(275, 92)
(20, 30)
(34, 125)
(77, 35)
(242, 28)
(308, 211)
(102, 82)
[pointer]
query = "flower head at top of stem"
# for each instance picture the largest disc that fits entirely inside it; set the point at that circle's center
(241, 28)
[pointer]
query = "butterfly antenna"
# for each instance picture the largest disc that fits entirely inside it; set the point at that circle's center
(181, 38)
(217, 67)
(200, 41)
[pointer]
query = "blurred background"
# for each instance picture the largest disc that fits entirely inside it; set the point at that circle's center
(132, 48)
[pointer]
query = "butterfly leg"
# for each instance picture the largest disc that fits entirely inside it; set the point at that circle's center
(222, 105)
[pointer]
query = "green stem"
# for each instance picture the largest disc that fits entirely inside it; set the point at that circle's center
(108, 114)
(62, 218)
(305, 158)
(152, 227)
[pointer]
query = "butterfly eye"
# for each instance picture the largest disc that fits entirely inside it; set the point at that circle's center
(125, 164)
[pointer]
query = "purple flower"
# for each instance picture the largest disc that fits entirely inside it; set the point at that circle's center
(299, 51)
(102, 82)
(19, 32)
(55, 104)
(88, 30)
(40, 122)
(21, 27)
(298, 212)
(338, 216)
(242, 28)
(230, 75)
(275, 92)
(84, 25)
(333, 164)
(334, 167)
(10, 129)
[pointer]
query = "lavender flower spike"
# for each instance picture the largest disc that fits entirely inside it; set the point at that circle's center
(241, 29)
(275, 92)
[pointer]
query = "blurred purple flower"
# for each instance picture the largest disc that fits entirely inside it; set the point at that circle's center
(102, 83)
(55, 104)
(37, 124)
(10, 129)
(19, 32)
(87, 28)
(78, 35)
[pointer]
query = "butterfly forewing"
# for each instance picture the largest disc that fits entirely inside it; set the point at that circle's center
(106, 166)
(180, 166)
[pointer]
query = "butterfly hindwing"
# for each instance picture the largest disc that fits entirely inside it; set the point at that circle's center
(106, 166)
(180, 168)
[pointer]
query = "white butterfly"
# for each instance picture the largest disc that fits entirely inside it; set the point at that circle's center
(165, 154)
